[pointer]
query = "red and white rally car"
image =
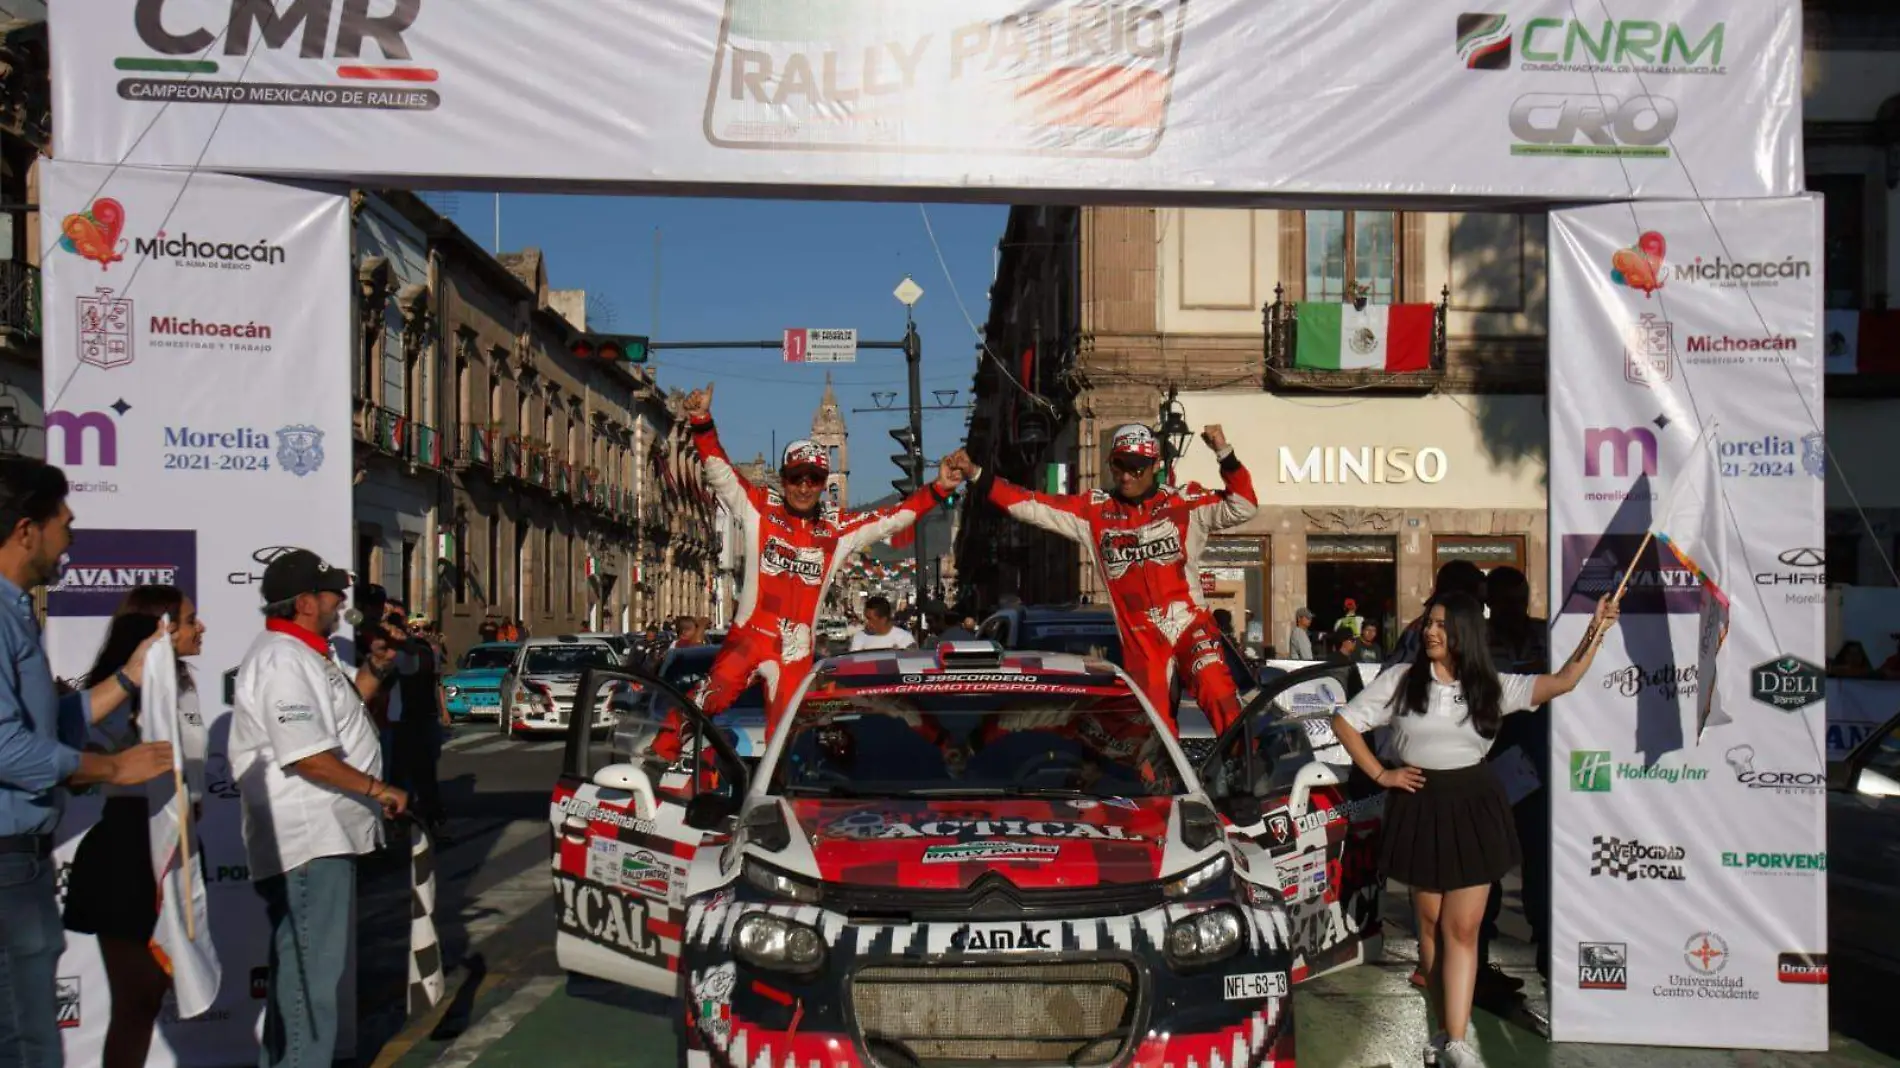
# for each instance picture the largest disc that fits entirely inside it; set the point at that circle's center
(966, 855)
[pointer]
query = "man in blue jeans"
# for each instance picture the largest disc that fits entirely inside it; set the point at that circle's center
(41, 733)
(309, 766)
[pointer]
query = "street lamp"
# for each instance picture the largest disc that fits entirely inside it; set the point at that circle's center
(12, 427)
(1174, 428)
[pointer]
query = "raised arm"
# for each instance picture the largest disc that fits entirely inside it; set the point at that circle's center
(859, 529)
(1566, 679)
(1063, 514)
(1235, 502)
(727, 483)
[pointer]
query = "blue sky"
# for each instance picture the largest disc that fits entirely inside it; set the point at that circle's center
(746, 269)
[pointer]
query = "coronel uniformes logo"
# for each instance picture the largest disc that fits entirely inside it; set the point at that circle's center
(199, 60)
(1742, 763)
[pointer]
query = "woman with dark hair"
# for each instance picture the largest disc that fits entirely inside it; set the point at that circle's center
(112, 893)
(1448, 828)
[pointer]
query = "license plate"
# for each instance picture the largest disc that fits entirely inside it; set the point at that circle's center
(1254, 986)
(485, 710)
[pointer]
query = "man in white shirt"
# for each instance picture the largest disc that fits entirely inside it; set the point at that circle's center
(879, 631)
(308, 763)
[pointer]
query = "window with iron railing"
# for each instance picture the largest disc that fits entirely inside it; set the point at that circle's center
(19, 299)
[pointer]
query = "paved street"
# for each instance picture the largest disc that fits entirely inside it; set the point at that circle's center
(508, 1004)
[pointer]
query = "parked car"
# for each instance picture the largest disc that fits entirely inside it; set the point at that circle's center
(619, 642)
(881, 881)
(538, 689)
(473, 689)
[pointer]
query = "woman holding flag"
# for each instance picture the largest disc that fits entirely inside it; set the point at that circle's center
(1448, 828)
(113, 893)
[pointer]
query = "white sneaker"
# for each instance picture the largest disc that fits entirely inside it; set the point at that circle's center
(1434, 1048)
(1459, 1055)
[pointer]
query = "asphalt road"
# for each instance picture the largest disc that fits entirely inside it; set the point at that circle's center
(509, 1004)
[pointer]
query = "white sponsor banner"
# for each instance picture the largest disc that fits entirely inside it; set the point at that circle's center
(1689, 871)
(978, 99)
(198, 400)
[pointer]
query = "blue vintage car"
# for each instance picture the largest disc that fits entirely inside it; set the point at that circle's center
(473, 691)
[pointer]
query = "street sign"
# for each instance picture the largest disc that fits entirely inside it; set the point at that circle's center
(908, 292)
(815, 345)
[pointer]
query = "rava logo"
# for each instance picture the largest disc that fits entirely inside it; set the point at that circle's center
(1603, 966)
(181, 51)
(187, 251)
(1592, 124)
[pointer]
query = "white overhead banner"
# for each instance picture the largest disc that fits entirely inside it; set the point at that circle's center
(197, 340)
(1689, 867)
(1540, 100)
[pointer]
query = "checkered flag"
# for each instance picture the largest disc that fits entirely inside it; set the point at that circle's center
(1608, 858)
(425, 952)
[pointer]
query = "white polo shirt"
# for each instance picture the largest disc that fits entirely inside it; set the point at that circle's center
(1444, 737)
(895, 638)
(293, 702)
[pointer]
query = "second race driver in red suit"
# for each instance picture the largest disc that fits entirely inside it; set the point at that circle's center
(1147, 540)
(795, 541)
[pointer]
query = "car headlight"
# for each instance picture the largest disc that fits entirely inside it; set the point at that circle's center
(779, 884)
(451, 691)
(1196, 879)
(1204, 937)
(767, 941)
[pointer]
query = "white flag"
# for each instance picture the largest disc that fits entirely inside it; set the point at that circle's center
(193, 962)
(1693, 523)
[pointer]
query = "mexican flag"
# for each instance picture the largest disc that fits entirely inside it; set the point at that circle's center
(1381, 337)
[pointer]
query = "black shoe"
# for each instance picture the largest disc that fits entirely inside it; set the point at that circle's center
(1495, 981)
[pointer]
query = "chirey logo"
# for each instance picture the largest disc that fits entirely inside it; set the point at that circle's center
(179, 66)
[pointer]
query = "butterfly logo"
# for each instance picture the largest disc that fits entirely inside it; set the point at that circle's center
(93, 234)
(1640, 267)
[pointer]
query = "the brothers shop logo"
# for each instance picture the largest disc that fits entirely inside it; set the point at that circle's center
(366, 64)
(1670, 681)
(1594, 565)
(104, 565)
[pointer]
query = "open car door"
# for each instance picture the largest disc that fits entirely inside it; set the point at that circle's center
(1292, 800)
(627, 824)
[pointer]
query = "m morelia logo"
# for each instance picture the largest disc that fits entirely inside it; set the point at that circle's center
(188, 57)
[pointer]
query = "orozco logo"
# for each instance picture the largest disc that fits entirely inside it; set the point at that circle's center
(185, 72)
(1157, 543)
(1806, 968)
(781, 558)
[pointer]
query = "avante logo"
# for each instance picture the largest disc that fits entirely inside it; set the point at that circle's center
(1484, 41)
(93, 234)
(104, 565)
(182, 55)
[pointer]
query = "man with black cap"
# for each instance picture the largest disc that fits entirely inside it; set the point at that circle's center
(1146, 539)
(798, 541)
(309, 764)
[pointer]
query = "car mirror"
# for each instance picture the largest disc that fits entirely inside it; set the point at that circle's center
(1312, 776)
(1871, 783)
(706, 811)
(629, 779)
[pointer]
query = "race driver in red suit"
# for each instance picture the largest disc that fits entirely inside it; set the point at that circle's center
(1147, 540)
(795, 542)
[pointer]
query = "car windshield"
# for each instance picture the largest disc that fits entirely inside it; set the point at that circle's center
(488, 656)
(569, 659)
(1035, 738)
(1096, 641)
(685, 670)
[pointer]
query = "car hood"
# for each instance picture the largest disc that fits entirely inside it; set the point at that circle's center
(951, 844)
(476, 677)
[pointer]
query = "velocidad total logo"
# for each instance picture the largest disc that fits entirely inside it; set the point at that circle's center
(185, 58)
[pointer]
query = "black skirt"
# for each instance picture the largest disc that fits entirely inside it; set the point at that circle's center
(1456, 831)
(110, 891)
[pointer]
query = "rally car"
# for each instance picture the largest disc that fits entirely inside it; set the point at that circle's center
(965, 855)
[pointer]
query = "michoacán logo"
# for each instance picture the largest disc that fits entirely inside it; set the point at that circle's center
(180, 68)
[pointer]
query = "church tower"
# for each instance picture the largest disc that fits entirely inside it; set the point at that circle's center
(827, 429)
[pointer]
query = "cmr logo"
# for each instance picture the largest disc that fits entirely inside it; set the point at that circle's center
(181, 48)
(1603, 965)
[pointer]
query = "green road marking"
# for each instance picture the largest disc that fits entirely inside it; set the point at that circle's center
(568, 1030)
(166, 66)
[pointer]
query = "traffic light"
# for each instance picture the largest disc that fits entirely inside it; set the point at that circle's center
(611, 348)
(906, 460)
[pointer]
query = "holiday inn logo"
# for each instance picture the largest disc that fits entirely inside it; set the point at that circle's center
(1594, 771)
(1484, 41)
(188, 58)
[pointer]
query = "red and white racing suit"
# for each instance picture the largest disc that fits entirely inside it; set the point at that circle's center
(1148, 554)
(793, 561)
